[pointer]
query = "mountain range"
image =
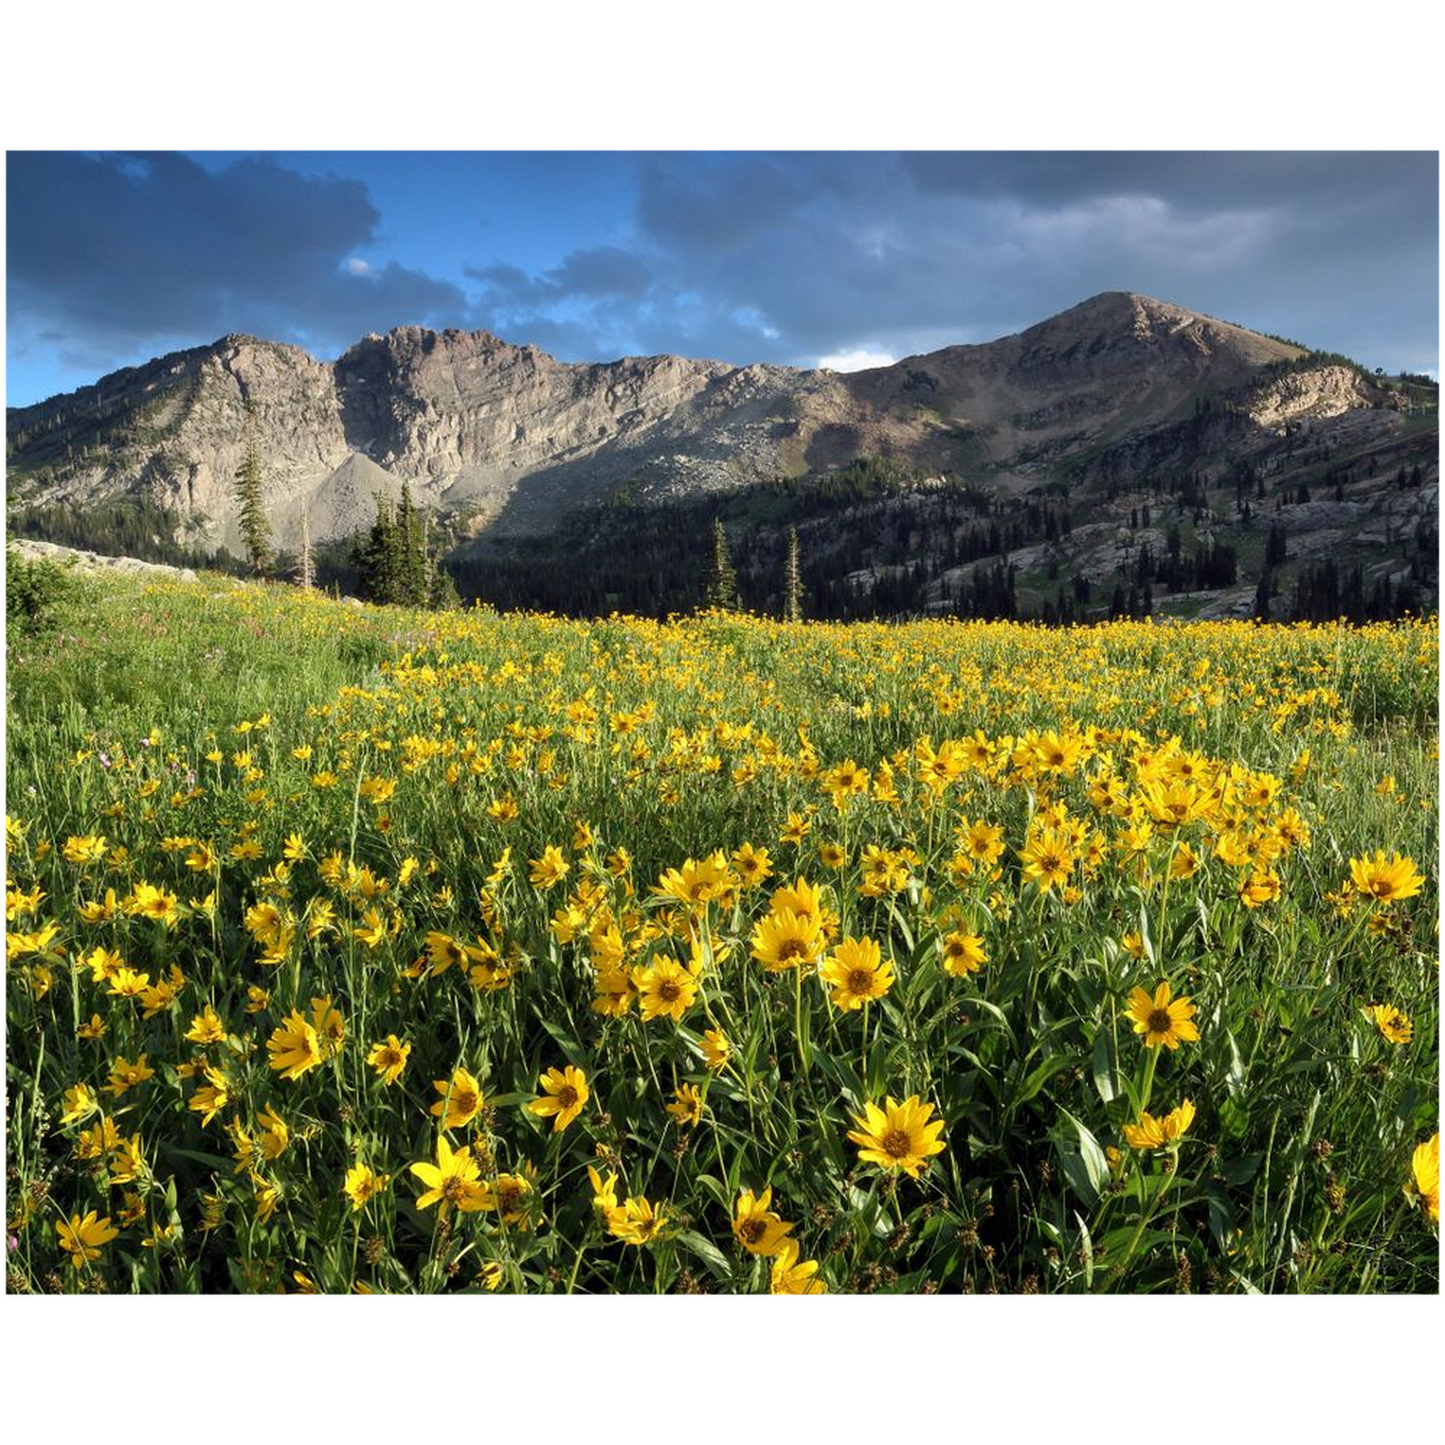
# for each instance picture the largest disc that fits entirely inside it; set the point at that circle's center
(1094, 411)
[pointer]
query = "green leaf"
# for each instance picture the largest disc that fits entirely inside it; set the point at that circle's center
(707, 1252)
(1034, 1083)
(1243, 1169)
(214, 1160)
(1092, 1154)
(569, 1044)
(1082, 1161)
(1105, 1067)
(719, 1191)
(1235, 1078)
(1086, 1248)
(1234, 1117)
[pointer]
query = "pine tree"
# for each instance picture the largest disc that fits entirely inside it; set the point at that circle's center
(1262, 595)
(410, 581)
(376, 558)
(792, 581)
(255, 529)
(722, 580)
(395, 561)
(443, 596)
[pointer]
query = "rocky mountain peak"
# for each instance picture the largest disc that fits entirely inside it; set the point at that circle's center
(510, 439)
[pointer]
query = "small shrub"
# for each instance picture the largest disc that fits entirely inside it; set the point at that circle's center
(35, 591)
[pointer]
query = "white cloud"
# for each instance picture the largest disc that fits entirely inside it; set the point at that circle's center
(357, 267)
(859, 359)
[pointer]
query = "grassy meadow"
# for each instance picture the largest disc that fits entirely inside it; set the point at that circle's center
(357, 950)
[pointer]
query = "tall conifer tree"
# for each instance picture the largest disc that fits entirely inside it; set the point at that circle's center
(722, 580)
(255, 529)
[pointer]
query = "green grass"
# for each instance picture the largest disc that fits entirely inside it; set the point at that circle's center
(672, 742)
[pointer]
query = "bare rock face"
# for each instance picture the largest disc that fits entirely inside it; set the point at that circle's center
(82, 561)
(513, 439)
(1325, 391)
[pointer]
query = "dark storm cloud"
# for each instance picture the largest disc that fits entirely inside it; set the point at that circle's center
(598, 272)
(785, 257)
(722, 206)
(905, 253)
(1193, 180)
(118, 252)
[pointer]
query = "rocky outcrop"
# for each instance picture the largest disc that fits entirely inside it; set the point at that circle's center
(94, 562)
(514, 440)
(1323, 391)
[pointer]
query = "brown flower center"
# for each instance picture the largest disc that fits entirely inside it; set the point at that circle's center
(793, 948)
(1160, 1021)
(567, 1096)
(896, 1144)
(860, 981)
(668, 991)
(754, 1230)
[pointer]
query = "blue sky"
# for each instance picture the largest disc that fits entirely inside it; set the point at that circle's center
(832, 258)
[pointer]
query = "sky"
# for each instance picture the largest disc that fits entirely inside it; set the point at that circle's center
(842, 259)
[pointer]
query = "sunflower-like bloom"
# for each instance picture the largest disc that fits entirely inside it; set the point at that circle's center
(604, 1192)
(83, 850)
(791, 1277)
(443, 951)
(1160, 1021)
(898, 1136)
(1047, 858)
(666, 989)
(981, 841)
(1386, 881)
(845, 782)
(756, 1227)
(212, 1096)
(461, 1099)
(802, 899)
(82, 1238)
(784, 940)
(329, 1025)
(511, 1197)
(857, 973)
(389, 1059)
(686, 1106)
(1426, 1168)
(550, 869)
(752, 865)
(716, 1048)
(1392, 1024)
(696, 884)
(451, 1181)
(963, 954)
(361, 1184)
(565, 1094)
(1152, 1133)
(80, 1103)
(294, 1047)
(146, 901)
(206, 1027)
(275, 1135)
(637, 1222)
(125, 1075)
(1259, 888)
(614, 991)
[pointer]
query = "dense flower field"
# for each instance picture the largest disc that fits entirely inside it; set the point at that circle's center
(358, 950)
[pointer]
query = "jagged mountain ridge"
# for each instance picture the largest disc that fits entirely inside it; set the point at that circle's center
(514, 440)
